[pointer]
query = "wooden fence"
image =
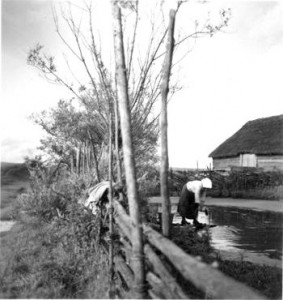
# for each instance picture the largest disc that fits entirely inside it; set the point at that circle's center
(165, 262)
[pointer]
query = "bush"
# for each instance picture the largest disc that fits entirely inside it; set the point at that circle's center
(54, 256)
(54, 251)
(55, 260)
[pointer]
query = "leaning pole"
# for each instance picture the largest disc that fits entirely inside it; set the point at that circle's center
(164, 89)
(128, 151)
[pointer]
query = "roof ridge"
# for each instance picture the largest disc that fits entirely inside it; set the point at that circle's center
(260, 136)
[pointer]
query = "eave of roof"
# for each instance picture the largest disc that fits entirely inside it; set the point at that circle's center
(261, 137)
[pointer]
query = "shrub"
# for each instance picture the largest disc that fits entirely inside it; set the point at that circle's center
(54, 250)
(60, 258)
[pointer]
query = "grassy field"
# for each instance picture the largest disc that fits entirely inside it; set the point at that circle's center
(14, 180)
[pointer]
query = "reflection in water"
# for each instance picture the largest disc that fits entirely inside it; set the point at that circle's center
(243, 233)
(255, 233)
(221, 238)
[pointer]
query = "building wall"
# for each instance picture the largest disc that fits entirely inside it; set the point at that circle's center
(267, 163)
(225, 163)
(270, 163)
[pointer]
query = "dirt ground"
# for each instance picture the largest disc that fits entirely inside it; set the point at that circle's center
(244, 203)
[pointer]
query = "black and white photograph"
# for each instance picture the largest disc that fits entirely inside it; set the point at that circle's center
(141, 149)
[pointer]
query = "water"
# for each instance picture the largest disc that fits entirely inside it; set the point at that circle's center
(251, 235)
(247, 234)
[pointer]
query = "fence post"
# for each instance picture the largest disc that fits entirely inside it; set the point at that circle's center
(166, 69)
(110, 194)
(128, 151)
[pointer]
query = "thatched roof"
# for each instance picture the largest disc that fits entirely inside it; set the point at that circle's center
(261, 136)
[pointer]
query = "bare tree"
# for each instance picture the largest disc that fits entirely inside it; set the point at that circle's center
(99, 88)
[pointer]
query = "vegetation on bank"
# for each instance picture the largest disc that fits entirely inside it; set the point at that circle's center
(58, 259)
(246, 183)
(266, 279)
(14, 180)
(54, 250)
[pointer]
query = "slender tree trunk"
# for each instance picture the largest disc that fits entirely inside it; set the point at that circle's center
(95, 160)
(164, 186)
(118, 159)
(79, 160)
(72, 163)
(96, 163)
(111, 260)
(87, 157)
(129, 161)
(83, 158)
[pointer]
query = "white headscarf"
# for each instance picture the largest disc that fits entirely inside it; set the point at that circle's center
(206, 183)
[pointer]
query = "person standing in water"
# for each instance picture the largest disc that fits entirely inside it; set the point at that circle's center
(191, 199)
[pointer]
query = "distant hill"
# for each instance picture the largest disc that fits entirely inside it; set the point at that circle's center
(13, 171)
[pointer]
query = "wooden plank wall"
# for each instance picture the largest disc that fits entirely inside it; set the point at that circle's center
(225, 163)
(267, 163)
(270, 163)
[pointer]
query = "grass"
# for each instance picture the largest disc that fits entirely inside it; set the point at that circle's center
(266, 279)
(268, 193)
(11, 172)
(9, 193)
(14, 180)
(44, 255)
(49, 261)
(47, 256)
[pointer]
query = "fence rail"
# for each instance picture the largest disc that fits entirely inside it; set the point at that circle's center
(164, 260)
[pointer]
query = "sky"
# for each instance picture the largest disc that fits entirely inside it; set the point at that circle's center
(228, 80)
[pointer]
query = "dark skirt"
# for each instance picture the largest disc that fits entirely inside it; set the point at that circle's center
(187, 206)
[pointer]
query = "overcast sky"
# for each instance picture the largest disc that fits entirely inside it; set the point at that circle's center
(227, 80)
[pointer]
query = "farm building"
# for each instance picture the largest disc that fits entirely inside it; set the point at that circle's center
(259, 143)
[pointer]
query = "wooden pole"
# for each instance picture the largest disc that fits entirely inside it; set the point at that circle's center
(118, 159)
(128, 151)
(164, 185)
(124, 269)
(170, 282)
(110, 195)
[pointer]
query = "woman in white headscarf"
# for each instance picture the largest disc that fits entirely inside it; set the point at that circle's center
(192, 195)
